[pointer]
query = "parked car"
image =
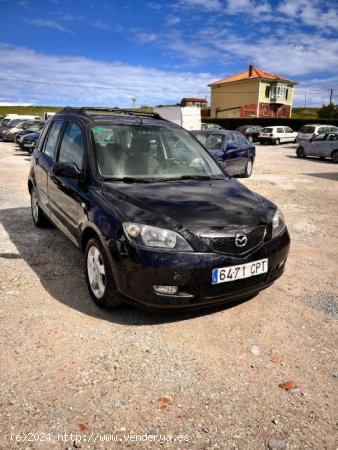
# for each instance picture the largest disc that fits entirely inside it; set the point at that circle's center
(7, 124)
(158, 220)
(11, 133)
(325, 145)
(231, 149)
(276, 135)
(211, 126)
(308, 132)
(251, 132)
(36, 127)
(28, 141)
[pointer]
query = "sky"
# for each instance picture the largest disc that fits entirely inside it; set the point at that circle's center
(107, 53)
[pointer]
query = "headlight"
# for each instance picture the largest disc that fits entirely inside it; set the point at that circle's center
(154, 237)
(278, 223)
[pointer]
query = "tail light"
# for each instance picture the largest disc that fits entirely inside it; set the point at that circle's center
(313, 136)
(270, 134)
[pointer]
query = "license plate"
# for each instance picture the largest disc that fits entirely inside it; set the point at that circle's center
(233, 273)
(27, 145)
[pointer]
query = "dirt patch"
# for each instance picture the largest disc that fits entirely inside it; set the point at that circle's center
(255, 375)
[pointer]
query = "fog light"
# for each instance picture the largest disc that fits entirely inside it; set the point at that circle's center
(167, 290)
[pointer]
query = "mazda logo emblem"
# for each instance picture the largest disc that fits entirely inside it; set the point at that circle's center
(241, 240)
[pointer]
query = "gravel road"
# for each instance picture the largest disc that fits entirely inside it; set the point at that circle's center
(261, 374)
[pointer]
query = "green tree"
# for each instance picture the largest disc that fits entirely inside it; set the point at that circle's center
(328, 111)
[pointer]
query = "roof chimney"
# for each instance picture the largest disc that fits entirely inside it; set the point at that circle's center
(250, 70)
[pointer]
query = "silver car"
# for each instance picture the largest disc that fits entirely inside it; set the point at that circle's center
(325, 145)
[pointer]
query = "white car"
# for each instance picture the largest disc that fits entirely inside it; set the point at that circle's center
(308, 132)
(277, 135)
(324, 145)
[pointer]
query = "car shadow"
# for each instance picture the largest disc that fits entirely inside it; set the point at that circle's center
(310, 158)
(326, 176)
(60, 269)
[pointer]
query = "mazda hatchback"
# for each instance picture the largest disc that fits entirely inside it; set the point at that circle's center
(158, 220)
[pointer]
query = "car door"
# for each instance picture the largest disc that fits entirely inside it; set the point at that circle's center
(43, 159)
(231, 158)
(65, 193)
(290, 134)
(244, 149)
(280, 134)
(314, 149)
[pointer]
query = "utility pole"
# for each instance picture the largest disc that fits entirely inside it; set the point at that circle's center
(305, 99)
(331, 94)
(133, 99)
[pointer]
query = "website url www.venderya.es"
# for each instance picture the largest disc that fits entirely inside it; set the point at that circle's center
(103, 437)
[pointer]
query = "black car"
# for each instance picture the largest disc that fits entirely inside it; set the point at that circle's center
(231, 149)
(35, 127)
(158, 220)
(28, 141)
(251, 132)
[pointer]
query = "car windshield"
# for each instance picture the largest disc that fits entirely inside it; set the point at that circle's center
(35, 127)
(150, 153)
(212, 141)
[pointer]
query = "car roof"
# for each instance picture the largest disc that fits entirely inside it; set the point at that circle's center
(113, 115)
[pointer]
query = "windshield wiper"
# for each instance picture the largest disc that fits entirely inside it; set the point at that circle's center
(130, 179)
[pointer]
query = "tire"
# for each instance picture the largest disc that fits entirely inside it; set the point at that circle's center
(334, 157)
(300, 152)
(277, 141)
(39, 218)
(250, 139)
(99, 276)
(248, 169)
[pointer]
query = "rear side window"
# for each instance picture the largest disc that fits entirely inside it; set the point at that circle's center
(280, 130)
(307, 130)
(71, 149)
(50, 143)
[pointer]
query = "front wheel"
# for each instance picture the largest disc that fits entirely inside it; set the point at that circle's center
(300, 152)
(335, 157)
(250, 139)
(277, 141)
(99, 276)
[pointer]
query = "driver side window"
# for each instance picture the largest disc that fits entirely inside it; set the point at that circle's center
(71, 149)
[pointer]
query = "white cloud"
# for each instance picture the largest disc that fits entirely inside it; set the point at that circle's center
(172, 20)
(208, 5)
(79, 80)
(48, 24)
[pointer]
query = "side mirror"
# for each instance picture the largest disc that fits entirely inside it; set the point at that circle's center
(231, 147)
(66, 169)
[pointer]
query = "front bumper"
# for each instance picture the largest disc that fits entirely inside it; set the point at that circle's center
(137, 270)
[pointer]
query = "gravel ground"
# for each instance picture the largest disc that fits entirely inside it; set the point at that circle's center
(261, 374)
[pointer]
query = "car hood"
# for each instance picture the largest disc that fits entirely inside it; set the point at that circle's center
(193, 205)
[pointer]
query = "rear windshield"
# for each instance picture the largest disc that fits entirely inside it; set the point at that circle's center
(267, 130)
(307, 129)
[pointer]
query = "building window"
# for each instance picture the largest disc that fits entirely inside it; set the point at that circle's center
(266, 111)
(267, 91)
(279, 91)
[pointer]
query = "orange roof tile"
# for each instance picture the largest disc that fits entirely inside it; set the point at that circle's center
(256, 73)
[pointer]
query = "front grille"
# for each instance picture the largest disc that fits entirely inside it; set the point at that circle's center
(226, 244)
(232, 287)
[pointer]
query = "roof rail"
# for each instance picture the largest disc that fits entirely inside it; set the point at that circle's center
(118, 111)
